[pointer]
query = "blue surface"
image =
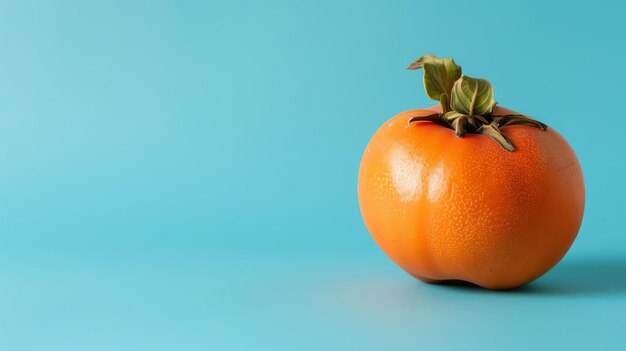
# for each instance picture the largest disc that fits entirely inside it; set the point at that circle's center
(182, 175)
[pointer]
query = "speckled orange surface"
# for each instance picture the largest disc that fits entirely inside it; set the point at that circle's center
(449, 208)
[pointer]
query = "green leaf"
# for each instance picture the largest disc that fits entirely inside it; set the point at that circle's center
(439, 75)
(472, 96)
(452, 115)
(513, 119)
(496, 134)
(444, 102)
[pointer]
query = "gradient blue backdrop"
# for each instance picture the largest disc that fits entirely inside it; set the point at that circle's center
(181, 175)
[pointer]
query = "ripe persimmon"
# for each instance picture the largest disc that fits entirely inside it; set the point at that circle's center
(467, 190)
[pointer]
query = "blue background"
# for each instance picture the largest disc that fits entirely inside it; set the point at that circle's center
(181, 175)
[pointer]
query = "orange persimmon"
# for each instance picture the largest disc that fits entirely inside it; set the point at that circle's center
(447, 200)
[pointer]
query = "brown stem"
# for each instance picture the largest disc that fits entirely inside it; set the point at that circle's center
(460, 126)
(434, 117)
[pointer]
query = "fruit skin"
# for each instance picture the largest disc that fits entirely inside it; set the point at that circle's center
(448, 208)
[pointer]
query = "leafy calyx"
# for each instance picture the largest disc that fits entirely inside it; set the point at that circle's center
(467, 103)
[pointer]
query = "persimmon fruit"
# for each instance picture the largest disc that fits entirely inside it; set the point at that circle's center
(467, 190)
